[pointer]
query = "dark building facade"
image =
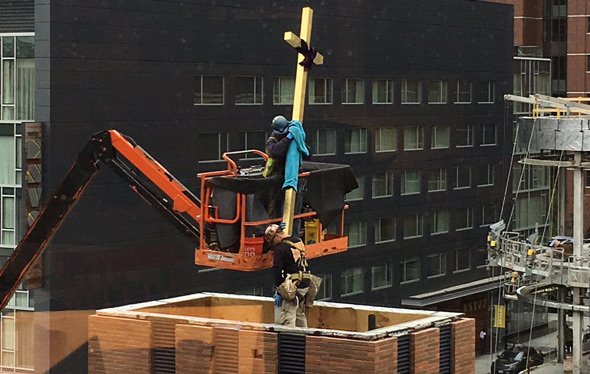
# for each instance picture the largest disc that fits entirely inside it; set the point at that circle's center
(410, 96)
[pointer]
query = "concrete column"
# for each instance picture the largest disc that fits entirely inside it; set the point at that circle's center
(578, 317)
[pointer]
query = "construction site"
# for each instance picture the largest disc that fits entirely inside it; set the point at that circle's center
(548, 268)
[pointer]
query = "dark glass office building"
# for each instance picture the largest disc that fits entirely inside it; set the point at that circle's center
(410, 95)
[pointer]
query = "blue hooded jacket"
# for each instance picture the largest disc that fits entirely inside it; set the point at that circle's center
(297, 148)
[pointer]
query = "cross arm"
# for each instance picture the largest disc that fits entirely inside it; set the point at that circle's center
(301, 46)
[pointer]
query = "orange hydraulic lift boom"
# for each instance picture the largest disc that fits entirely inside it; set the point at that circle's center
(198, 218)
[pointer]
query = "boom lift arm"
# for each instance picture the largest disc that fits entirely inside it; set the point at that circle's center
(160, 189)
(200, 219)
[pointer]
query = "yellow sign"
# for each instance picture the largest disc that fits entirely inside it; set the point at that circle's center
(500, 316)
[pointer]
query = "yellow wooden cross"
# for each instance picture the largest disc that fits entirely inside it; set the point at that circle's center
(306, 57)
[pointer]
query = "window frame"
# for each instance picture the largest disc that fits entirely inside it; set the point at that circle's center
(363, 145)
(361, 226)
(457, 177)
(331, 140)
(220, 150)
(490, 175)
(419, 224)
(435, 222)
(468, 139)
(404, 91)
(258, 89)
(345, 97)
(277, 82)
(389, 94)
(378, 230)
(351, 273)
(388, 185)
(388, 272)
(434, 137)
(360, 180)
(419, 146)
(379, 137)
(201, 94)
(462, 254)
(326, 287)
(441, 172)
(404, 270)
(491, 92)
(468, 215)
(328, 94)
(484, 132)
(443, 96)
(442, 265)
(404, 182)
(459, 91)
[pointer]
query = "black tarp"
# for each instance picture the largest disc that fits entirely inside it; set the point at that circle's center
(326, 187)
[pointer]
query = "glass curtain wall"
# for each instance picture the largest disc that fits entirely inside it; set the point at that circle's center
(17, 105)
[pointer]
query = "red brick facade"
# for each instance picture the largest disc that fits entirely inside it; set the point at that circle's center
(463, 346)
(528, 21)
(578, 48)
(126, 345)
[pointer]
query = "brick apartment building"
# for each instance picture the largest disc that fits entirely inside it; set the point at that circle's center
(408, 97)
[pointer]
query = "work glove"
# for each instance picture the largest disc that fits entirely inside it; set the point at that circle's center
(282, 226)
(290, 136)
(278, 299)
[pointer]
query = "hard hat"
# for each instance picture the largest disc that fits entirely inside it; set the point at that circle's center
(280, 124)
(270, 232)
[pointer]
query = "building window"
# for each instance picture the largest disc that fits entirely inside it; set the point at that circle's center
(382, 184)
(485, 92)
(351, 281)
(17, 78)
(411, 182)
(486, 175)
(587, 25)
(410, 269)
(488, 134)
(253, 140)
(283, 89)
(436, 265)
(462, 260)
(353, 91)
(413, 138)
(463, 177)
(463, 92)
(382, 91)
(213, 145)
(385, 230)
(382, 276)
(325, 142)
(411, 91)
(440, 137)
(385, 139)
(355, 141)
(464, 135)
(440, 221)
(357, 193)
(489, 214)
(8, 217)
(320, 91)
(464, 218)
(587, 174)
(413, 226)
(248, 90)
(437, 180)
(437, 92)
(209, 90)
(325, 291)
(357, 233)
(588, 63)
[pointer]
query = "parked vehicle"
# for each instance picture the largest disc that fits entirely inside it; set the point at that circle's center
(514, 360)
